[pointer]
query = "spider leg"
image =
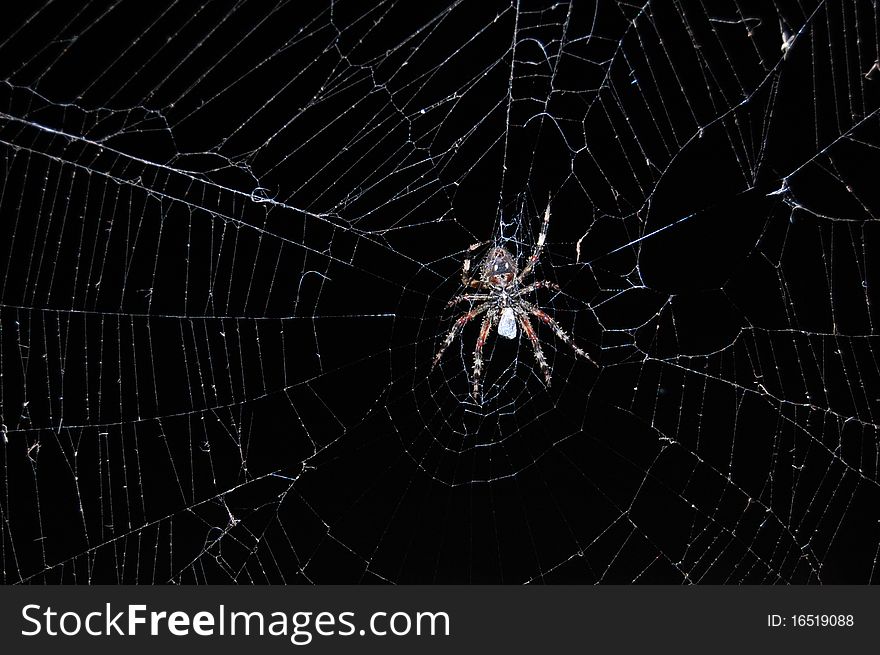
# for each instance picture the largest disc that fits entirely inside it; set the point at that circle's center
(488, 322)
(539, 246)
(534, 286)
(562, 334)
(460, 322)
(466, 279)
(536, 344)
(469, 297)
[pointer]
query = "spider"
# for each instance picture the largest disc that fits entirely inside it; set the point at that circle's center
(504, 304)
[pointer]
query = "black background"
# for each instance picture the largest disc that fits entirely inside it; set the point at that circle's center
(229, 233)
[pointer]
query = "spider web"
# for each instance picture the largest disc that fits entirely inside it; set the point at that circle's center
(229, 234)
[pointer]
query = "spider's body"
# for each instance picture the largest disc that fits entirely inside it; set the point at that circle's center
(503, 301)
(498, 270)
